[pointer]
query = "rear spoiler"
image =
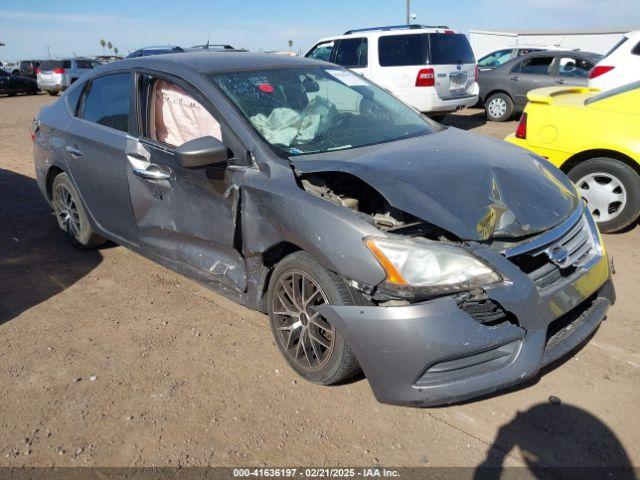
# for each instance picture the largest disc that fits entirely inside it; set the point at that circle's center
(547, 94)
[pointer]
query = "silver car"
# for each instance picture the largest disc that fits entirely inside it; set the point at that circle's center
(445, 264)
(56, 76)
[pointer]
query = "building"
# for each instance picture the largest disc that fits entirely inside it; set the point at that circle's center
(590, 40)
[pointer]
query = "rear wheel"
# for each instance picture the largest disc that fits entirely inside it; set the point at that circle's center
(313, 347)
(71, 215)
(612, 191)
(499, 107)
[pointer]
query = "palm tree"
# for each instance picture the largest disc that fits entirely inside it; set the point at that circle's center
(115, 50)
(290, 43)
(102, 44)
(109, 45)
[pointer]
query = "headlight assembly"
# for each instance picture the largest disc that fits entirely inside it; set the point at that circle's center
(429, 266)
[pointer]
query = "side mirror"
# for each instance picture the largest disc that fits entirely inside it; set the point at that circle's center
(201, 152)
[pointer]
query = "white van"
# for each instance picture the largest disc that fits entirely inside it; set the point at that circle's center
(432, 69)
(620, 66)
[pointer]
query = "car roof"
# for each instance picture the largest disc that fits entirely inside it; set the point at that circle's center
(213, 62)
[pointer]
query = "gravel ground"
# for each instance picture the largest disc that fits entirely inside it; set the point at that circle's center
(108, 359)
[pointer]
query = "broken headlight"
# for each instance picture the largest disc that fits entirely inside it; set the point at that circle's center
(429, 266)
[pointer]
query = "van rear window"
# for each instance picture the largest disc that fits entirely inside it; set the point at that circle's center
(448, 49)
(53, 64)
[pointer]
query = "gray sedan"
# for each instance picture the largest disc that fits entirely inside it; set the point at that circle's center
(443, 264)
(503, 89)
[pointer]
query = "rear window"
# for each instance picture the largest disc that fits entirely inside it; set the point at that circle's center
(447, 49)
(403, 50)
(85, 64)
(53, 64)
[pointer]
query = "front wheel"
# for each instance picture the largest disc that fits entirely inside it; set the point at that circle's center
(611, 189)
(311, 345)
(499, 107)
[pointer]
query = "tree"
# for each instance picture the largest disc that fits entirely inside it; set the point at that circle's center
(115, 50)
(102, 44)
(290, 43)
(109, 45)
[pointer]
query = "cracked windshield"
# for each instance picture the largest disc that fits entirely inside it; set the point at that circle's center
(315, 110)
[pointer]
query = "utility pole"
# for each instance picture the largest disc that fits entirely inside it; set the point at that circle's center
(408, 12)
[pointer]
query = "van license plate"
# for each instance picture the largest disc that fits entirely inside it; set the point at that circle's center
(457, 80)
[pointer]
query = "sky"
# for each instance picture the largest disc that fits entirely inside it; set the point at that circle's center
(37, 28)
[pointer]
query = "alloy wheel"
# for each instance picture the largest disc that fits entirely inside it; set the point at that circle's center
(605, 195)
(307, 338)
(67, 211)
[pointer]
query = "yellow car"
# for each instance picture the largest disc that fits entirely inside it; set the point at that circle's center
(593, 137)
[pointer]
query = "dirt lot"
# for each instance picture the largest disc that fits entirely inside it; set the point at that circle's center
(108, 359)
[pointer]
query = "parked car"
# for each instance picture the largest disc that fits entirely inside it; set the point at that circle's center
(429, 68)
(620, 66)
(147, 51)
(14, 84)
(503, 90)
(442, 263)
(10, 68)
(214, 47)
(503, 55)
(28, 68)
(55, 76)
(593, 137)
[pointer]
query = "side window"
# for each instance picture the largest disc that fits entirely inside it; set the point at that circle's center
(495, 59)
(175, 117)
(322, 51)
(73, 96)
(66, 64)
(526, 51)
(636, 49)
(351, 52)
(107, 101)
(537, 66)
(574, 67)
(402, 50)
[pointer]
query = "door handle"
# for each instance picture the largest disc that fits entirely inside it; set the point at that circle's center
(74, 151)
(560, 81)
(152, 172)
(514, 78)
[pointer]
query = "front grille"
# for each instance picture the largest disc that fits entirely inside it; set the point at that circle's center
(556, 254)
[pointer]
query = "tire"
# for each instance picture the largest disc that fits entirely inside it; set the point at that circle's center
(52, 93)
(71, 215)
(607, 183)
(318, 363)
(499, 107)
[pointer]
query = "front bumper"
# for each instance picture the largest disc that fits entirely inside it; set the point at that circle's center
(434, 353)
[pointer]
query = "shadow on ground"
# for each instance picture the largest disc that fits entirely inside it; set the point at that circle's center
(557, 441)
(465, 122)
(36, 262)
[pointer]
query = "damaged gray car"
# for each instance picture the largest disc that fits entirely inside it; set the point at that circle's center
(442, 264)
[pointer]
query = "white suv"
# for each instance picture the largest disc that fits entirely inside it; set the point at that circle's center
(620, 66)
(431, 69)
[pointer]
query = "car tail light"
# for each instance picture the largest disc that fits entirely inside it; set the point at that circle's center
(598, 70)
(521, 129)
(58, 70)
(449, 32)
(426, 78)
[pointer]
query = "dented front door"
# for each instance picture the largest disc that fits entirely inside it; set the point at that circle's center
(185, 215)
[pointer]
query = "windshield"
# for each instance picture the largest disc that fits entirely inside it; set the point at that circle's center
(317, 109)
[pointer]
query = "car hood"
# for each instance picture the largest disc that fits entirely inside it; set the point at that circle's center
(472, 186)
